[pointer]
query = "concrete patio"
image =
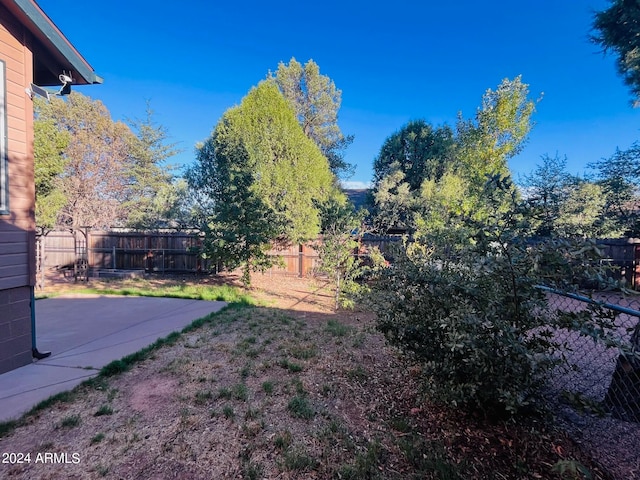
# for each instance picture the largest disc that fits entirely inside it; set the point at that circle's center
(86, 332)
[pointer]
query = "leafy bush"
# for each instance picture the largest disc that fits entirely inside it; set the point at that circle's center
(471, 311)
(341, 257)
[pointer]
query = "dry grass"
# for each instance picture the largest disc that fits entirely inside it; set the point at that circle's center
(288, 389)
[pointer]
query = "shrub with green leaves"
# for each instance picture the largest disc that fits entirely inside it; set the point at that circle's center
(470, 311)
(341, 229)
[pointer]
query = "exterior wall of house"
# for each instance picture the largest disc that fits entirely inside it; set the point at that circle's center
(17, 227)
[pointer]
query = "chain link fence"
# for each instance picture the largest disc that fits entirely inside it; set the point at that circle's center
(596, 394)
(602, 368)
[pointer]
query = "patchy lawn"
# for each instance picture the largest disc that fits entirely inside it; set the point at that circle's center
(284, 389)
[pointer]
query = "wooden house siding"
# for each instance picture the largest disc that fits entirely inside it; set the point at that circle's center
(17, 227)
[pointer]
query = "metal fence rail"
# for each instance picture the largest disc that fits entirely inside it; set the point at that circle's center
(603, 375)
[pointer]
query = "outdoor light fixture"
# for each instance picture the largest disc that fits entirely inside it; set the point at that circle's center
(65, 78)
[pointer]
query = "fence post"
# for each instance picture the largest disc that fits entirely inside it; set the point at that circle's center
(634, 267)
(301, 260)
(113, 257)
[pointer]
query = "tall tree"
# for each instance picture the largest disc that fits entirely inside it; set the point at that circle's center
(49, 146)
(97, 159)
(619, 176)
(420, 166)
(263, 178)
(419, 150)
(150, 173)
(415, 153)
(618, 30)
(480, 175)
(546, 188)
(238, 226)
(561, 204)
(497, 133)
(316, 102)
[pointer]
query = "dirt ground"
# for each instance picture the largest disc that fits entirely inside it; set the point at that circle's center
(287, 389)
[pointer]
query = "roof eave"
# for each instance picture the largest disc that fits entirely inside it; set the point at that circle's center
(41, 26)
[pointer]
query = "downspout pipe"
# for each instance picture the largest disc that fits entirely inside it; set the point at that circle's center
(34, 351)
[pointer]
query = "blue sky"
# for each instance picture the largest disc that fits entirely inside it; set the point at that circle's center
(394, 62)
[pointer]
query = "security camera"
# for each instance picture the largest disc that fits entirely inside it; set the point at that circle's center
(64, 78)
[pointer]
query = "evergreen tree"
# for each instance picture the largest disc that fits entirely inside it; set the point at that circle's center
(261, 180)
(150, 174)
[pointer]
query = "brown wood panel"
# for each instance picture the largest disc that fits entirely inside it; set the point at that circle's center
(17, 148)
(21, 179)
(15, 78)
(163, 252)
(16, 120)
(17, 230)
(17, 137)
(10, 48)
(13, 259)
(15, 73)
(14, 279)
(21, 189)
(13, 248)
(15, 100)
(17, 218)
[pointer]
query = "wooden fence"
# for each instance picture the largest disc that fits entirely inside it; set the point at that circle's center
(152, 252)
(169, 252)
(173, 252)
(624, 255)
(296, 260)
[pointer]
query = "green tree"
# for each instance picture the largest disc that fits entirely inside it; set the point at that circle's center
(560, 204)
(418, 150)
(446, 213)
(416, 153)
(419, 165)
(618, 30)
(49, 145)
(394, 203)
(484, 144)
(619, 176)
(150, 174)
(316, 102)
(497, 133)
(582, 212)
(546, 188)
(97, 161)
(239, 227)
(261, 180)
(173, 206)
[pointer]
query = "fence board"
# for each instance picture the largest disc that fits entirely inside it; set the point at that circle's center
(179, 252)
(624, 254)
